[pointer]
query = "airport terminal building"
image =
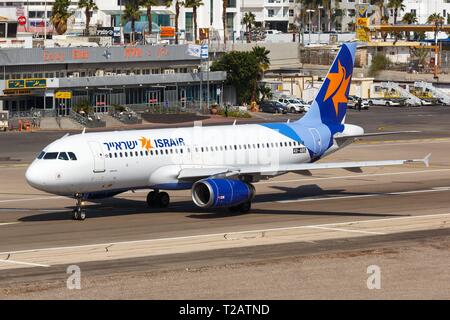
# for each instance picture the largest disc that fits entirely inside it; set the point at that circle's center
(56, 79)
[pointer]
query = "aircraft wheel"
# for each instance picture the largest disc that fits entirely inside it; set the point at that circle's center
(151, 199)
(79, 214)
(163, 199)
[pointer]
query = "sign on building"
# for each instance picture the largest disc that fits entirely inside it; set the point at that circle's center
(167, 32)
(105, 32)
(204, 52)
(27, 83)
(361, 9)
(63, 95)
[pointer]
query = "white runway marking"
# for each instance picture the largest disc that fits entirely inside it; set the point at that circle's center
(356, 176)
(8, 223)
(346, 230)
(25, 263)
(366, 195)
(328, 225)
(31, 199)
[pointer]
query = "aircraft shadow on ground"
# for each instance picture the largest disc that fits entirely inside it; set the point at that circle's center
(121, 207)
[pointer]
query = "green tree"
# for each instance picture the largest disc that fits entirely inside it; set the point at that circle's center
(148, 4)
(88, 6)
(132, 13)
(266, 92)
(248, 20)
(262, 58)
(194, 4)
(380, 5)
(379, 63)
(60, 15)
(409, 18)
(178, 5)
(396, 5)
(435, 18)
(242, 71)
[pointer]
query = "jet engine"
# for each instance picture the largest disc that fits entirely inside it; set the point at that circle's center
(221, 193)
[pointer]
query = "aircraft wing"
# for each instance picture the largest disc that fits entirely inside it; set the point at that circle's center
(367, 135)
(204, 172)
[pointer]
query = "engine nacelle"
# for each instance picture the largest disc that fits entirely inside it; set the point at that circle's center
(221, 193)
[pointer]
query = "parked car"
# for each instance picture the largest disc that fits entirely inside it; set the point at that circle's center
(294, 105)
(386, 102)
(272, 32)
(353, 100)
(272, 107)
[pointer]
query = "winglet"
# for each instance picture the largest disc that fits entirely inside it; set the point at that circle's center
(425, 161)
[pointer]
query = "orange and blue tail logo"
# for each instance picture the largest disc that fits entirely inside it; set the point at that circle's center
(330, 105)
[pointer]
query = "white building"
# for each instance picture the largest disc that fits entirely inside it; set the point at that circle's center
(423, 9)
(39, 11)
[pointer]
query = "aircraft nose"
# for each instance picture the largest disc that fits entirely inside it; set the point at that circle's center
(35, 177)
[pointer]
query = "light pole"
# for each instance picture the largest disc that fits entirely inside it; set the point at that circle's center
(309, 16)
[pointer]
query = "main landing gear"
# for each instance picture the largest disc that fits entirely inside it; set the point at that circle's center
(242, 208)
(156, 199)
(78, 213)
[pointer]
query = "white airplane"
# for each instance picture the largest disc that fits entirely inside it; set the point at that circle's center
(218, 163)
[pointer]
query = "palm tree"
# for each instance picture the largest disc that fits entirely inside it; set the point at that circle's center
(396, 5)
(178, 5)
(132, 13)
(248, 20)
(305, 5)
(60, 15)
(88, 6)
(148, 4)
(194, 4)
(409, 18)
(224, 20)
(380, 5)
(326, 4)
(262, 58)
(435, 18)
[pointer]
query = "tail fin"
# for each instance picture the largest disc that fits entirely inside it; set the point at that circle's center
(330, 105)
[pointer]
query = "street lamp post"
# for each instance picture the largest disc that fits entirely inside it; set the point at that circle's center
(310, 27)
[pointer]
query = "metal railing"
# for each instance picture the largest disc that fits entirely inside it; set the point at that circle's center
(89, 121)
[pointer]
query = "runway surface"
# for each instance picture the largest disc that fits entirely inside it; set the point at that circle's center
(328, 228)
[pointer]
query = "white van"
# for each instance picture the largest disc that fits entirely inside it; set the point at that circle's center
(3, 120)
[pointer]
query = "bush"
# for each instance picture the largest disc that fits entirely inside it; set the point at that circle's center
(82, 105)
(379, 63)
(235, 113)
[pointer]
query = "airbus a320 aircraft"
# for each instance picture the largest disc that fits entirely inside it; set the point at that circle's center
(218, 164)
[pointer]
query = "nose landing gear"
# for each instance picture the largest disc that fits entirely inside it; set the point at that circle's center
(78, 213)
(156, 199)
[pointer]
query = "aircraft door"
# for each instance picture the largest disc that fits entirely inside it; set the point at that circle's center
(317, 140)
(99, 156)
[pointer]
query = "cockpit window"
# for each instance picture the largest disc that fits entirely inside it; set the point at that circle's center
(63, 156)
(51, 156)
(41, 155)
(72, 156)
